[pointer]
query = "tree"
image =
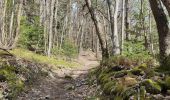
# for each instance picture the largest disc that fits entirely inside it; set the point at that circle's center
(10, 27)
(99, 31)
(163, 29)
(167, 5)
(114, 25)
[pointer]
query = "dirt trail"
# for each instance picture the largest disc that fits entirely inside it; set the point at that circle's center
(60, 86)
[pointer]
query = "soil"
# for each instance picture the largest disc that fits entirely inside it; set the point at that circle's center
(65, 83)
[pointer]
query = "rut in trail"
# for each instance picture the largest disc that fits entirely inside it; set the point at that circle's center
(57, 87)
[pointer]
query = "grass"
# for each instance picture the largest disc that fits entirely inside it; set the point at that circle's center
(29, 55)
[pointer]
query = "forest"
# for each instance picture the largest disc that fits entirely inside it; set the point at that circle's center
(84, 49)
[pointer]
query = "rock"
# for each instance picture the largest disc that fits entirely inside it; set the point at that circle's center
(2, 78)
(68, 77)
(151, 86)
(168, 92)
(47, 97)
(118, 68)
(159, 97)
(167, 82)
(1, 95)
(120, 74)
(69, 87)
(167, 98)
(137, 72)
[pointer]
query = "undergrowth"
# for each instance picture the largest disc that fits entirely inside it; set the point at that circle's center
(25, 54)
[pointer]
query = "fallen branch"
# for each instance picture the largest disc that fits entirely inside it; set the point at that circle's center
(6, 50)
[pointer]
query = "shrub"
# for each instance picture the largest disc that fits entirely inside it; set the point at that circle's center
(135, 50)
(31, 34)
(68, 49)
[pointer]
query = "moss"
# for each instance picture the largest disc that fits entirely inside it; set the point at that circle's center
(143, 66)
(137, 71)
(118, 98)
(108, 87)
(151, 86)
(129, 81)
(167, 82)
(149, 72)
(16, 87)
(105, 79)
(28, 55)
(120, 74)
(15, 84)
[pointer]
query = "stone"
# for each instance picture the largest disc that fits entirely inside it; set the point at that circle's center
(120, 74)
(151, 86)
(118, 68)
(2, 78)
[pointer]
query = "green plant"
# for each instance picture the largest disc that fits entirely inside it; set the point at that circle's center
(135, 50)
(68, 49)
(31, 34)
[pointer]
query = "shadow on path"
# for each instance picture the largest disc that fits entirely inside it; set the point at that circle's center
(65, 84)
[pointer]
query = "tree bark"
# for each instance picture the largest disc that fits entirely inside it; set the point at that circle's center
(113, 23)
(51, 28)
(99, 31)
(123, 26)
(163, 29)
(127, 19)
(167, 5)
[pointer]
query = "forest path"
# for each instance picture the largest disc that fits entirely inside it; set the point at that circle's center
(65, 84)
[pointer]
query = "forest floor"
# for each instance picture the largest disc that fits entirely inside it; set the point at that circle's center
(65, 83)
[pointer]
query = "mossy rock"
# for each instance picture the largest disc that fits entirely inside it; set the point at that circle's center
(167, 82)
(120, 74)
(2, 78)
(117, 68)
(150, 72)
(151, 86)
(129, 81)
(137, 72)
(108, 87)
(143, 66)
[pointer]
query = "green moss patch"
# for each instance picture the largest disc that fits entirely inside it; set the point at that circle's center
(28, 55)
(15, 84)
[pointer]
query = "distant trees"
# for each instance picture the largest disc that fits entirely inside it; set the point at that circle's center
(99, 31)
(10, 22)
(110, 26)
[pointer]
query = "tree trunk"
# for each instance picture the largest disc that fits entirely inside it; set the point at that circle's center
(51, 28)
(167, 5)
(150, 33)
(163, 29)
(127, 20)
(113, 22)
(123, 26)
(99, 31)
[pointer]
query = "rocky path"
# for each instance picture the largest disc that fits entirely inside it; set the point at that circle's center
(65, 84)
